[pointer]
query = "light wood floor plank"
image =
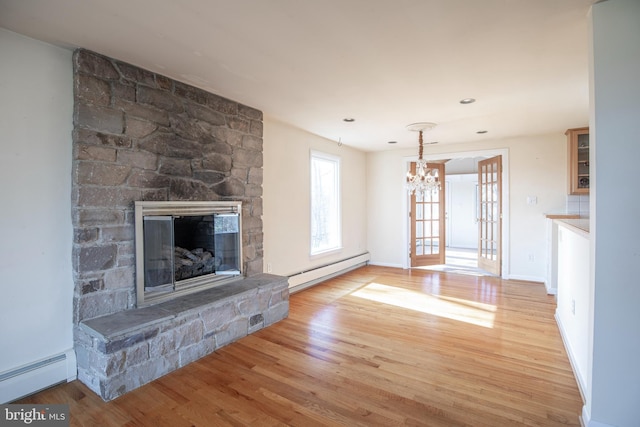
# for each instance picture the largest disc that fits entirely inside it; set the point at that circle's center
(376, 346)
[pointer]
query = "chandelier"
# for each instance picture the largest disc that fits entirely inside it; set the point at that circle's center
(424, 179)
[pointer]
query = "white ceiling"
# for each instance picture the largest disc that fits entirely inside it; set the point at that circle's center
(386, 63)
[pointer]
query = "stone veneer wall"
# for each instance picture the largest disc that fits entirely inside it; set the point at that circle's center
(142, 136)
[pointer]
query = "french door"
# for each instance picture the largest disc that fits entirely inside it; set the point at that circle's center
(490, 215)
(428, 223)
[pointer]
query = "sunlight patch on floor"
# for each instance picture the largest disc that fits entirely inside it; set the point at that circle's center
(462, 310)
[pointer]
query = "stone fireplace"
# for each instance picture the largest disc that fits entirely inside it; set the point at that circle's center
(142, 137)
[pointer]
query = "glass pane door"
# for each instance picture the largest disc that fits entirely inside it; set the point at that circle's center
(427, 223)
(490, 215)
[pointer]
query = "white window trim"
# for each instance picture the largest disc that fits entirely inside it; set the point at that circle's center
(325, 156)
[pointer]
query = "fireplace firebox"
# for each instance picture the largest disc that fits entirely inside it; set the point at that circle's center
(184, 247)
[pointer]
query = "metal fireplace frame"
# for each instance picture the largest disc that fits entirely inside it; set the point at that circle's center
(181, 208)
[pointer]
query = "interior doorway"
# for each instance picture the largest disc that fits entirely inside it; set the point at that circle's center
(463, 211)
(461, 201)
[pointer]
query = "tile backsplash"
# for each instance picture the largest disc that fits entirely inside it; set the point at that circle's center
(578, 204)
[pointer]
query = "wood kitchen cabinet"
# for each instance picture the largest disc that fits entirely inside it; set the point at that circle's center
(578, 145)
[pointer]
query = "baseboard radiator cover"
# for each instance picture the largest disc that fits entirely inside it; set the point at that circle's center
(313, 276)
(33, 377)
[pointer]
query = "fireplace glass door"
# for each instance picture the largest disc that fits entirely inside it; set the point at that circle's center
(158, 258)
(227, 241)
(180, 250)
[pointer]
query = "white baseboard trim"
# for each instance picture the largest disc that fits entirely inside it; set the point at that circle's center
(586, 420)
(581, 385)
(33, 377)
(307, 278)
(525, 278)
(384, 264)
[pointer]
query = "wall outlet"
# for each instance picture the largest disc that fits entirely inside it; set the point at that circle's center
(531, 258)
(269, 269)
(573, 307)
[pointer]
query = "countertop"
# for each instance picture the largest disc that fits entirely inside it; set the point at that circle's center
(580, 225)
(571, 221)
(560, 215)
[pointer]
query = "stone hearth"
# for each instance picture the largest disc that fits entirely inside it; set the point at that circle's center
(125, 350)
(140, 136)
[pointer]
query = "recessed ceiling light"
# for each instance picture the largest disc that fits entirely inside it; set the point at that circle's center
(392, 142)
(349, 119)
(467, 101)
(482, 131)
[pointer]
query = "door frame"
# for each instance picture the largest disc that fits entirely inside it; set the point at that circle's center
(504, 152)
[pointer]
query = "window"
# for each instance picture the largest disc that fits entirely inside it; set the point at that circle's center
(325, 203)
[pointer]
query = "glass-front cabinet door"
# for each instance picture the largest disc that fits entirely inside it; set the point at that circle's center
(578, 145)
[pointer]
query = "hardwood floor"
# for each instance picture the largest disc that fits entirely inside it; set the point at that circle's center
(376, 346)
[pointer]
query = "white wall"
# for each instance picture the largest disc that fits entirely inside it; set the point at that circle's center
(286, 184)
(574, 298)
(615, 214)
(461, 211)
(36, 104)
(386, 208)
(537, 167)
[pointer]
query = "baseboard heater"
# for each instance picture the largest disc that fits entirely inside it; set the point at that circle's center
(36, 376)
(315, 275)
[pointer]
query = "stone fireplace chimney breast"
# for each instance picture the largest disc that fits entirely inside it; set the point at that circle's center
(140, 136)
